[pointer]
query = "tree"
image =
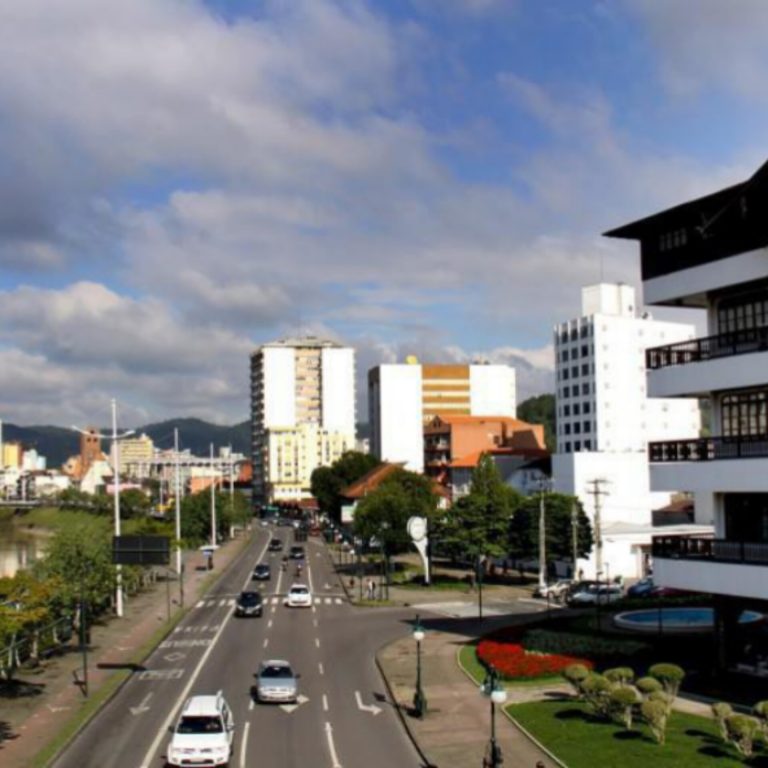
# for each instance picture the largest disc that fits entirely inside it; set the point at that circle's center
(196, 517)
(134, 503)
(477, 525)
(327, 482)
(524, 530)
(540, 410)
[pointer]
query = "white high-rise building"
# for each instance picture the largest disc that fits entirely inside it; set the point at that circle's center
(302, 413)
(404, 397)
(605, 421)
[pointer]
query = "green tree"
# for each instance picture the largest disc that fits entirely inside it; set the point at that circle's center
(524, 529)
(477, 525)
(540, 410)
(196, 517)
(328, 482)
(134, 503)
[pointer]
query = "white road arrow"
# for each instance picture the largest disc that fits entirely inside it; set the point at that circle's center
(57, 709)
(372, 708)
(293, 707)
(143, 706)
(175, 656)
(332, 746)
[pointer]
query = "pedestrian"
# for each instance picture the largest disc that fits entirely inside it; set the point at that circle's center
(371, 589)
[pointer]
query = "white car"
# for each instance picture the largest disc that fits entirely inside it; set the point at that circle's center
(299, 596)
(203, 735)
(595, 594)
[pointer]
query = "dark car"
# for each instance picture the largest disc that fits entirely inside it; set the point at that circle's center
(262, 572)
(297, 553)
(276, 545)
(642, 588)
(249, 604)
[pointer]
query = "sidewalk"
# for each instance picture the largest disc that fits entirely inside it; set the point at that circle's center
(29, 724)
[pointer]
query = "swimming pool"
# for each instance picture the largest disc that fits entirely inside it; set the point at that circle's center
(676, 619)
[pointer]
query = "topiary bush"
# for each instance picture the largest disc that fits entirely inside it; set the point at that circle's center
(620, 675)
(656, 715)
(576, 674)
(621, 703)
(741, 731)
(722, 710)
(669, 675)
(760, 711)
(596, 690)
(648, 685)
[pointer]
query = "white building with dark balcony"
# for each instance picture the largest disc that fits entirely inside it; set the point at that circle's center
(712, 254)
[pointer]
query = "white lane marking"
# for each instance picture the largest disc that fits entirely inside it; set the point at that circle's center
(161, 674)
(317, 642)
(320, 667)
(200, 604)
(332, 746)
(243, 744)
(275, 600)
(269, 624)
(163, 732)
(325, 703)
(222, 603)
(261, 557)
(309, 576)
(338, 601)
(372, 708)
(143, 706)
(251, 705)
(314, 610)
(327, 600)
(314, 621)
(231, 602)
(266, 642)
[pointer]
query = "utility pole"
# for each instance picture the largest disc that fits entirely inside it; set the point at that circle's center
(596, 491)
(177, 483)
(574, 535)
(213, 503)
(542, 535)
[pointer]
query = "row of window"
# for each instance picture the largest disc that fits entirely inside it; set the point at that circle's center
(576, 333)
(670, 240)
(577, 446)
(586, 350)
(567, 391)
(586, 368)
(578, 428)
(745, 414)
(743, 312)
(578, 409)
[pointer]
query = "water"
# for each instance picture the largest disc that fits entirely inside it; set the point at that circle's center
(677, 618)
(19, 547)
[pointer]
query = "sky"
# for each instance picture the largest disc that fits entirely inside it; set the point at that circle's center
(182, 180)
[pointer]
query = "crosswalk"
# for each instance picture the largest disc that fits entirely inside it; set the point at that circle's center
(229, 602)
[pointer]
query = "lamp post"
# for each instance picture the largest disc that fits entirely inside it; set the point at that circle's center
(496, 693)
(116, 493)
(419, 700)
(543, 487)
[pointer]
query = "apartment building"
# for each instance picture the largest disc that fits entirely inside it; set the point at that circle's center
(302, 413)
(402, 398)
(136, 454)
(711, 254)
(605, 420)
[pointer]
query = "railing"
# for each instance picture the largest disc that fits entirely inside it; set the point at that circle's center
(709, 449)
(713, 550)
(709, 348)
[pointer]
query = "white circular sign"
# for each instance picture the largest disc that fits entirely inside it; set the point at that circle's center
(417, 528)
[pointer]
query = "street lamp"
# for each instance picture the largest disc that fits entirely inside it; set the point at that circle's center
(419, 700)
(543, 487)
(493, 689)
(116, 492)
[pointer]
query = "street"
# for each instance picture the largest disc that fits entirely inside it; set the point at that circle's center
(341, 718)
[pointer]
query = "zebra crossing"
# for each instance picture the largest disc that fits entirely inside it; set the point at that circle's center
(229, 602)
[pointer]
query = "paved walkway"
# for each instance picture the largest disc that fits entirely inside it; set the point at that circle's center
(29, 724)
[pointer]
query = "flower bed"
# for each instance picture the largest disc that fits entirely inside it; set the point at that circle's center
(506, 654)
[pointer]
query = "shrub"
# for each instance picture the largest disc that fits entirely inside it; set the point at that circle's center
(656, 714)
(573, 644)
(761, 713)
(669, 675)
(721, 710)
(514, 662)
(621, 702)
(741, 731)
(596, 690)
(662, 697)
(620, 675)
(575, 674)
(648, 685)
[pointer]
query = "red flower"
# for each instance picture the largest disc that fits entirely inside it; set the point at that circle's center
(513, 661)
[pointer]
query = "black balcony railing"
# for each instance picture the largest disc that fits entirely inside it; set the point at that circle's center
(709, 348)
(709, 449)
(712, 550)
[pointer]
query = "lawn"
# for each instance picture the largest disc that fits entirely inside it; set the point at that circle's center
(579, 740)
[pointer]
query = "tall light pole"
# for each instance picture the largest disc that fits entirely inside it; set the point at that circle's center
(177, 483)
(496, 693)
(115, 493)
(213, 503)
(543, 484)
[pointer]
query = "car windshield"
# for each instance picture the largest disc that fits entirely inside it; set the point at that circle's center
(250, 598)
(276, 671)
(299, 591)
(200, 724)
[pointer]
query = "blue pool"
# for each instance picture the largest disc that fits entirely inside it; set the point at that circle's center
(676, 619)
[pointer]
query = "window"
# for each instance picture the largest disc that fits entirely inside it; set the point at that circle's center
(577, 445)
(564, 355)
(584, 350)
(576, 409)
(565, 374)
(574, 334)
(577, 428)
(745, 414)
(744, 312)
(567, 447)
(585, 369)
(587, 407)
(585, 389)
(587, 445)
(575, 371)
(587, 426)
(584, 331)
(567, 428)
(566, 392)
(566, 410)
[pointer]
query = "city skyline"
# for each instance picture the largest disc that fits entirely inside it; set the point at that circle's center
(188, 181)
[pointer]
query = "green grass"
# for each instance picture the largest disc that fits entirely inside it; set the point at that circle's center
(53, 517)
(568, 730)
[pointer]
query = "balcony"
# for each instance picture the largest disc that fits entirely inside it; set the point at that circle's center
(722, 567)
(711, 464)
(705, 365)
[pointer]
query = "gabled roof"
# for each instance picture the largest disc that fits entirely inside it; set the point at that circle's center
(471, 460)
(370, 481)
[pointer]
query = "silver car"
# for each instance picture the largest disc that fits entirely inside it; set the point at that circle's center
(276, 681)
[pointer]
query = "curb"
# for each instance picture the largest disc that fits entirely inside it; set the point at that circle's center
(426, 763)
(171, 623)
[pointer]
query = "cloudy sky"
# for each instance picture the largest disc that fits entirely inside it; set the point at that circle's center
(183, 180)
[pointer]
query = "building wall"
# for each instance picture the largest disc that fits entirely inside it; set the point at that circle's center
(492, 390)
(445, 390)
(12, 455)
(279, 377)
(338, 390)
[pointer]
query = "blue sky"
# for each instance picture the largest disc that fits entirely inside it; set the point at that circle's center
(185, 180)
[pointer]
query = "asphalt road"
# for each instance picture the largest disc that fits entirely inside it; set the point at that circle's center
(341, 719)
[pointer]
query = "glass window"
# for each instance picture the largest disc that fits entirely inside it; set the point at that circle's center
(576, 409)
(566, 392)
(577, 428)
(587, 407)
(575, 371)
(587, 426)
(577, 445)
(566, 410)
(585, 369)
(567, 447)
(567, 428)
(585, 389)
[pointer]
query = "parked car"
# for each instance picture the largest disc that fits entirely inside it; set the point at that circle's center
(597, 594)
(203, 734)
(556, 590)
(249, 604)
(276, 681)
(299, 596)
(642, 588)
(276, 545)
